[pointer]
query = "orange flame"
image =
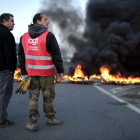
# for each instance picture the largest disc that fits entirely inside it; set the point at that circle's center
(78, 72)
(105, 74)
(16, 76)
(78, 75)
(117, 78)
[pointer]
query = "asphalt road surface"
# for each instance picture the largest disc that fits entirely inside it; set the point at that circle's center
(89, 112)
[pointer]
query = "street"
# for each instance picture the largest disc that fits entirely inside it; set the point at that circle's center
(89, 112)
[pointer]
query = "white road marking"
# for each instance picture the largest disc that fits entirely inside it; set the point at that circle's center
(119, 89)
(118, 99)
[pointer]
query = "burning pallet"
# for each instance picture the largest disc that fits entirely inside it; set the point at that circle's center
(76, 80)
(80, 78)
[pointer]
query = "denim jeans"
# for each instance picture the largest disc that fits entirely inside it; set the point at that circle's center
(6, 89)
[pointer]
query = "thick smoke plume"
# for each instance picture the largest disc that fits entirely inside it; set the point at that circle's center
(111, 34)
(65, 19)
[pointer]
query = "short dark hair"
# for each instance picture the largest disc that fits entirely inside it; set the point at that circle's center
(5, 16)
(36, 17)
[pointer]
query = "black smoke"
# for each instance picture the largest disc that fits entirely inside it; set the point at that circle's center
(67, 19)
(111, 34)
(64, 14)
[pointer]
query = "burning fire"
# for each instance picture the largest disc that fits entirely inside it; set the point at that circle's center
(105, 76)
(78, 75)
(117, 78)
(16, 74)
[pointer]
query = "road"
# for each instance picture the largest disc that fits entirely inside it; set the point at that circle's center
(89, 112)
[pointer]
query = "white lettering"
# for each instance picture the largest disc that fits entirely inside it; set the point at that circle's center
(33, 41)
(34, 48)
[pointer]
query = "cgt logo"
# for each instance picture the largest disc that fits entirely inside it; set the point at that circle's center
(33, 41)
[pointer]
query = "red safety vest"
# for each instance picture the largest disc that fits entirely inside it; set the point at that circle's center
(37, 60)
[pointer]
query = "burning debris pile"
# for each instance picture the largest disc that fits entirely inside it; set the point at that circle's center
(110, 38)
(113, 37)
(79, 77)
(105, 77)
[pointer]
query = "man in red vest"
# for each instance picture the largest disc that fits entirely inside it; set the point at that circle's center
(38, 53)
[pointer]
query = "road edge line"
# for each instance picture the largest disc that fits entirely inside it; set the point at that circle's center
(118, 99)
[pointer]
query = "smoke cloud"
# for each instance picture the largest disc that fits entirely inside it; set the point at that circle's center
(109, 35)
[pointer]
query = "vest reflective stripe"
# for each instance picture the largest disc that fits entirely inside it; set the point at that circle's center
(38, 57)
(39, 67)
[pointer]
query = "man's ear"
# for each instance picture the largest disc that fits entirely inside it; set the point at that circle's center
(38, 22)
(4, 21)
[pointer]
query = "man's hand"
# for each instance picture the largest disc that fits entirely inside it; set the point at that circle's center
(60, 76)
(24, 77)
